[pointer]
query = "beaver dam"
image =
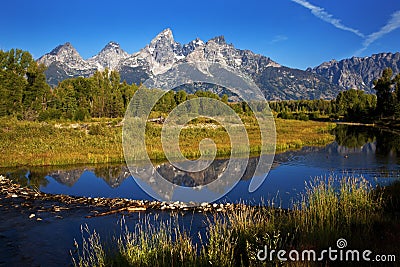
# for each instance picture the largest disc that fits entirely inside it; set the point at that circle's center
(21, 196)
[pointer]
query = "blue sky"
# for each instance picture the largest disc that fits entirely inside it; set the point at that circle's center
(295, 33)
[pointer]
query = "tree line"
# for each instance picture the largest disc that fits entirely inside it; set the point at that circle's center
(25, 94)
(352, 105)
(101, 95)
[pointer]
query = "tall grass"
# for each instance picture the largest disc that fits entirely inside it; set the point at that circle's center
(291, 134)
(330, 209)
(235, 238)
(164, 244)
(92, 252)
(151, 243)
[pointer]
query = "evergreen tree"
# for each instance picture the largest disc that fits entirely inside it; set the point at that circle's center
(117, 102)
(355, 104)
(384, 94)
(98, 95)
(166, 103)
(66, 95)
(23, 87)
(37, 91)
(127, 92)
(180, 97)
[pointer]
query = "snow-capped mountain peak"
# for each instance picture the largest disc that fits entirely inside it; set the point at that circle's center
(191, 46)
(219, 40)
(163, 53)
(165, 36)
(112, 44)
(65, 54)
(109, 57)
(62, 48)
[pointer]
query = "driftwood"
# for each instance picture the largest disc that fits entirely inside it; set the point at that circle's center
(159, 120)
(128, 209)
(25, 196)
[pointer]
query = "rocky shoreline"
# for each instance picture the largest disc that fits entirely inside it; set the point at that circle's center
(20, 196)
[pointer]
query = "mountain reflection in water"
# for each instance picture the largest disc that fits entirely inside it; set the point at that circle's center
(367, 151)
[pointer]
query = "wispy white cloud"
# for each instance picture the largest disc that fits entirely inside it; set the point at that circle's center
(391, 25)
(320, 13)
(278, 38)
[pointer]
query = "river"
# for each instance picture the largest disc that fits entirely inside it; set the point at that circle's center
(358, 151)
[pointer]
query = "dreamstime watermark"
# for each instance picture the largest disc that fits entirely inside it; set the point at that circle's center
(158, 183)
(331, 254)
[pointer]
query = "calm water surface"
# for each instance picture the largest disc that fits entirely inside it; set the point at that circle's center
(357, 151)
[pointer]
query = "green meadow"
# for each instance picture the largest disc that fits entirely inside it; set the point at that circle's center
(31, 143)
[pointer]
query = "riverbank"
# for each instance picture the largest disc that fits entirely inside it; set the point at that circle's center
(100, 141)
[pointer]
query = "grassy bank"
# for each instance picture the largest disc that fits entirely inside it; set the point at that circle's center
(35, 144)
(293, 134)
(329, 210)
(100, 141)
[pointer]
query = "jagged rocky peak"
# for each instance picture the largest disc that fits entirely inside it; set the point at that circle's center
(161, 53)
(65, 54)
(165, 36)
(219, 40)
(60, 48)
(358, 72)
(109, 56)
(191, 46)
(163, 44)
(65, 50)
(112, 46)
(166, 32)
(196, 42)
(324, 65)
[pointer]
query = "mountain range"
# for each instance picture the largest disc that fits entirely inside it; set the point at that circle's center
(358, 72)
(276, 81)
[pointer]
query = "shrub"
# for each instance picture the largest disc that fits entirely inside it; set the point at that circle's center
(81, 114)
(302, 116)
(286, 115)
(314, 116)
(50, 114)
(97, 129)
